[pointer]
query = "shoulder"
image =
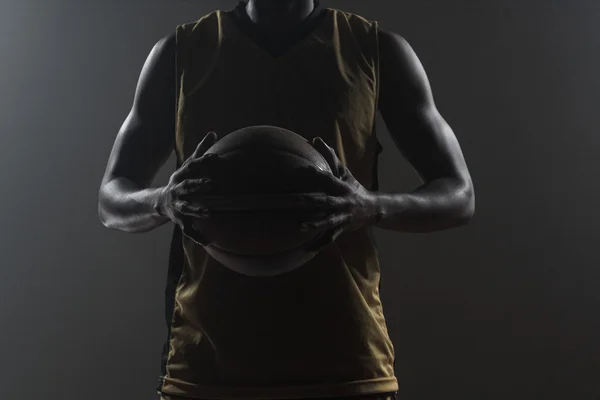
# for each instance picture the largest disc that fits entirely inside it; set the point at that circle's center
(401, 71)
(391, 44)
(162, 54)
(166, 44)
(390, 41)
(396, 53)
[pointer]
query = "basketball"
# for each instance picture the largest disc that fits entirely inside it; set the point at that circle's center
(262, 241)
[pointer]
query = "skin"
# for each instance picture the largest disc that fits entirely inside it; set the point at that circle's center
(127, 202)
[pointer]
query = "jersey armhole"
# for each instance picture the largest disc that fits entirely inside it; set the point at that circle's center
(178, 76)
(374, 135)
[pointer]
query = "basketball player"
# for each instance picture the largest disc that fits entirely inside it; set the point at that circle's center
(319, 331)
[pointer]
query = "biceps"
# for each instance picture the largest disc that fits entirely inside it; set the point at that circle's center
(428, 143)
(146, 138)
(141, 148)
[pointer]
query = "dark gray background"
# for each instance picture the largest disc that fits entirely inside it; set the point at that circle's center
(506, 308)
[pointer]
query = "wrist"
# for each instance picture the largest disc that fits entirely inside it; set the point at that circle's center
(159, 202)
(377, 207)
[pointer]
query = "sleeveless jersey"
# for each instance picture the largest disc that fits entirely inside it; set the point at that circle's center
(320, 330)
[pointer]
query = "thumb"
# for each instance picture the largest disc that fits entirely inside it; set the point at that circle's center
(329, 154)
(205, 144)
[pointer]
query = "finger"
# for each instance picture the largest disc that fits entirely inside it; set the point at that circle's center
(322, 202)
(192, 186)
(291, 202)
(197, 167)
(328, 223)
(205, 144)
(330, 156)
(206, 159)
(192, 210)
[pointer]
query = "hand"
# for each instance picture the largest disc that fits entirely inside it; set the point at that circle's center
(348, 204)
(181, 199)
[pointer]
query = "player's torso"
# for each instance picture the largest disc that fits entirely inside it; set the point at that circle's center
(318, 331)
(323, 83)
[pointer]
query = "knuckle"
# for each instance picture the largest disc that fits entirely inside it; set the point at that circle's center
(192, 164)
(176, 177)
(209, 157)
(179, 206)
(179, 189)
(171, 194)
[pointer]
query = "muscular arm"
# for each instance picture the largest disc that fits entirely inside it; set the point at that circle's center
(446, 199)
(126, 202)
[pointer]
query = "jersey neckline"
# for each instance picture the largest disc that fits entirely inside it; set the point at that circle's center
(266, 40)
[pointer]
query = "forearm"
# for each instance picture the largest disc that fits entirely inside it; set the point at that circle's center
(126, 207)
(441, 204)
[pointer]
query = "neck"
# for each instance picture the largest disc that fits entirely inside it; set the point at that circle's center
(279, 12)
